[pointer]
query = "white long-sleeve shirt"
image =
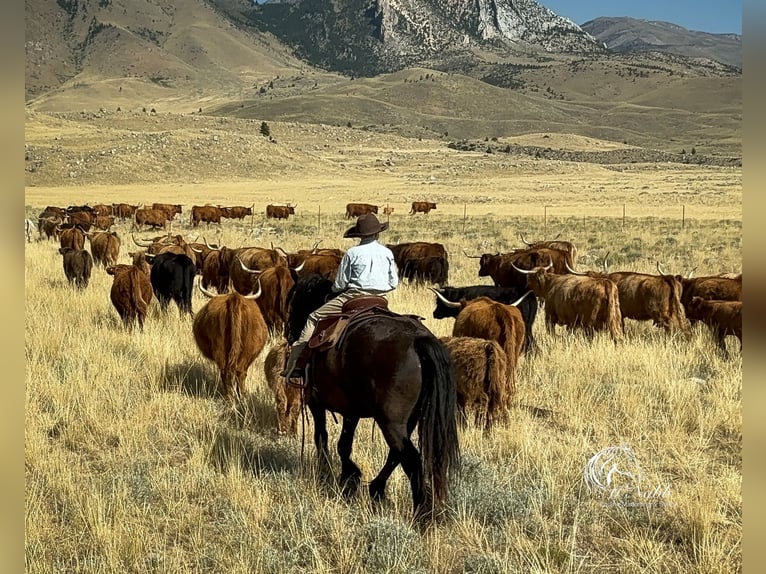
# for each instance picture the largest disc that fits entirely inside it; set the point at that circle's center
(368, 267)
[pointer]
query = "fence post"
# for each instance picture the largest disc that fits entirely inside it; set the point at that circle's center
(623, 217)
(319, 218)
(464, 209)
(545, 221)
(683, 216)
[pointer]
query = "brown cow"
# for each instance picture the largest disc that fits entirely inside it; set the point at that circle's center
(279, 211)
(480, 369)
(230, 331)
(82, 219)
(500, 267)
(357, 209)
(50, 226)
(422, 207)
(288, 398)
(124, 210)
(72, 237)
(212, 273)
(723, 318)
(102, 210)
(105, 247)
(565, 246)
(170, 209)
(295, 259)
(131, 291)
(77, 266)
(324, 264)
(487, 319)
(237, 212)
(711, 287)
(276, 283)
(103, 222)
(154, 218)
(644, 297)
(240, 264)
(207, 213)
(577, 301)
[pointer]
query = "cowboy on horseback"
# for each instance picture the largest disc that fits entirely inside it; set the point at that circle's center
(366, 269)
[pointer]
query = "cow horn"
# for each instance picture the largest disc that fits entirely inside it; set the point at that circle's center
(520, 299)
(549, 264)
(471, 256)
(149, 244)
(300, 267)
(208, 245)
(314, 248)
(205, 292)
(282, 252)
(192, 240)
(524, 240)
(572, 270)
(446, 301)
(257, 293)
(524, 271)
(606, 264)
(195, 250)
(659, 268)
(253, 271)
(689, 276)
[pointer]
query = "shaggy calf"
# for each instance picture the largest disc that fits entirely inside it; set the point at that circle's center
(131, 292)
(482, 383)
(286, 396)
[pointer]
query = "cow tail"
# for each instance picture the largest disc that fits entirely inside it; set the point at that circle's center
(614, 316)
(509, 336)
(494, 383)
(676, 308)
(437, 427)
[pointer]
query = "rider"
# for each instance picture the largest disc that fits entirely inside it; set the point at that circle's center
(365, 269)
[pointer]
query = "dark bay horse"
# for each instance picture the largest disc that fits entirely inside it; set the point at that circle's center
(394, 370)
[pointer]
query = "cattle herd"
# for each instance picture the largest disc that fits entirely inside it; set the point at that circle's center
(249, 289)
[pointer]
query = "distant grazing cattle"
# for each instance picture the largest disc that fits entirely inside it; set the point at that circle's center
(103, 222)
(288, 398)
(131, 291)
(422, 207)
(357, 209)
(154, 218)
(506, 295)
(172, 278)
(124, 210)
(82, 219)
(205, 213)
(481, 369)
(77, 266)
(102, 210)
(105, 247)
(230, 331)
(723, 317)
(169, 208)
(279, 211)
(237, 212)
(49, 226)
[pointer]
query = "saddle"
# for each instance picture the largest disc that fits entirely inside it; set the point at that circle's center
(330, 330)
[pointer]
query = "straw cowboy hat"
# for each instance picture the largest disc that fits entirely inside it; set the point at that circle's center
(365, 226)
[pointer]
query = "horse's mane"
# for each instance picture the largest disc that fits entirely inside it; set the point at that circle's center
(308, 294)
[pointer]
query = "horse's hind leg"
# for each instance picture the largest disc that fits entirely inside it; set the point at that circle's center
(350, 474)
(378, 484)
(320, 434)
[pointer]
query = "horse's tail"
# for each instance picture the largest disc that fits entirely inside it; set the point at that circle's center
(437, 427)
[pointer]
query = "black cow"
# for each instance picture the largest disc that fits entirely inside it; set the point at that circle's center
(172, 277)
(505, 295)
(433, 269)
(78, 264)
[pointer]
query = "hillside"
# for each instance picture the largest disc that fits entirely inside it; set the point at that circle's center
(632, 35)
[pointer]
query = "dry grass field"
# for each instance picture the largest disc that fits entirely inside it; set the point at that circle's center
(134, 463)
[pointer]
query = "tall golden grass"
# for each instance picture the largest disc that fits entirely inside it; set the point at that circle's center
(134, 463)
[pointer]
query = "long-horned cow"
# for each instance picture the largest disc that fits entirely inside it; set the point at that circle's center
(230, 331)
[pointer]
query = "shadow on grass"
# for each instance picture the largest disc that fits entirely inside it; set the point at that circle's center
(259, 455)
(192, 378)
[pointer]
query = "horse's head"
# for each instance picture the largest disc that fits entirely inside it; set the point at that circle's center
(308, 294)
